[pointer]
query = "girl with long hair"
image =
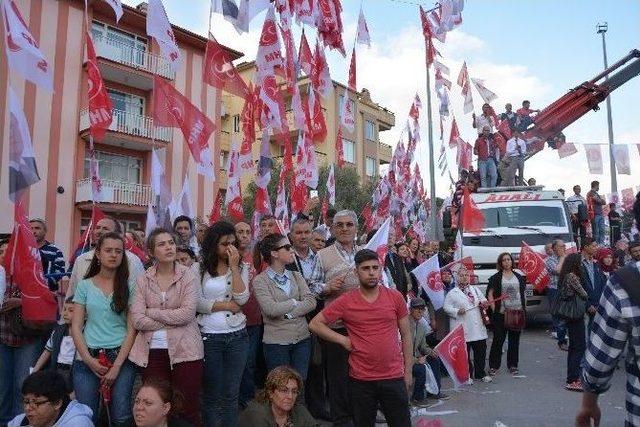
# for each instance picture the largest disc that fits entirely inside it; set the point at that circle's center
(102, 331)
(168, 344)
(223, 290)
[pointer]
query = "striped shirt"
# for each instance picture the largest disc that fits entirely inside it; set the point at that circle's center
(52, 262)
(615, 326)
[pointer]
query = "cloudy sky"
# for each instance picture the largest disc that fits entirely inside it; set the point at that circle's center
(523, 49)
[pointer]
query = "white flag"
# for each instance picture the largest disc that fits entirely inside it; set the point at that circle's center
(363, 30)
(428, 276)
(379, 243)
(621, 156)
(347, 115)
(117, 8)
(151, 222)
(157, 173)
(457, 254)
(182, 205)
(485, 93)
(23, 171)
(269, 51)
(594, 158)
(311, 167)
(331, 186)
(159, 28)
(23, 54)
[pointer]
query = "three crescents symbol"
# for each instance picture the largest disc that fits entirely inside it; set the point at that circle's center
(456, 341)
(434, 281)
(527, 262)
(269, 35)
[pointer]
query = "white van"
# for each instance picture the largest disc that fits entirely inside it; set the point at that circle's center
(513, 215)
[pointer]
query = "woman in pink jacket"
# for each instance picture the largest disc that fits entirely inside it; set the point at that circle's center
(168, 344)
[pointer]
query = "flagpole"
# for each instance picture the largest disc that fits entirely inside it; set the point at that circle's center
(434, 234)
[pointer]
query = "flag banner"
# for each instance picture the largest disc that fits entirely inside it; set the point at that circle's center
(594, 158)
(182, 204)
(157, 173)
(273, 105)
(291, 68)
(171, 108)
(96, 182)
(379, 243)
(269, 53)
(239, 17)
(100, 107)
(23, 171)
(263, 175)
(316, 116)
(233, 196)
(306, 12)
(117, 8)
(245, 157)
(151, 222)
(330, 24)
(159, 28)
(428, 276)
(567, 149)
(220, 72)
(486, 95)
(363, 36)
(281, 211)
(310, 165)
(347, 115)
(533, 266)
(464, 83)
(23, 53)
(472, 216)
(331, 186)
(453, 354)
(464, 155)
(24, 267)
(627, 199)
(352, 71)
(299, 111)
(305, 57)
(320, 76)
(339, 148)
(621, 156)
(454, 136)
(216, 208)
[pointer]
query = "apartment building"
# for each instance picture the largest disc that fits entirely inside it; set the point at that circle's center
(59, 123)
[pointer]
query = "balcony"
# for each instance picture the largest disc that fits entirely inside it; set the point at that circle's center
(143, 63)
(384, 153)
(130, 130)
(118, 192)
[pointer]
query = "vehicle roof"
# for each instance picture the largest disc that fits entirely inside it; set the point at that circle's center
(514, 194)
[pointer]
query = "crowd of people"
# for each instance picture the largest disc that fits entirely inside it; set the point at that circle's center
(225, 325)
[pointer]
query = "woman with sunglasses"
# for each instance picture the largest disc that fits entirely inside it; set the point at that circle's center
(223, 291)
(284, 300)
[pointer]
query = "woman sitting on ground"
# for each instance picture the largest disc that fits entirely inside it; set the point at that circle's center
(155, 405)
(276, 404)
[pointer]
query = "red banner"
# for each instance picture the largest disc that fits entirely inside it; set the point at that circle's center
(532, 265)
(100, 107)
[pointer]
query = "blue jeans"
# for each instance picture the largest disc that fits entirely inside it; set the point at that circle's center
(225, 356)
(87, 388)
(488, 173)
(248, 383)
(420, 377)
(598, 229)
(558, 324)
(14, 368)
(295, 355)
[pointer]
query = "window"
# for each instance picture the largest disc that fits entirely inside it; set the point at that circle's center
(349, 148)
(370, 166)
(524, 216)
(370, 130)
(236, 123)
(116, 167)
(224, 159)
(118, 45)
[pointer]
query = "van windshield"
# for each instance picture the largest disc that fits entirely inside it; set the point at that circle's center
(519, 215)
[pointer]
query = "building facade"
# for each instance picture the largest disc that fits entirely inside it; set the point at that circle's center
(59, 123)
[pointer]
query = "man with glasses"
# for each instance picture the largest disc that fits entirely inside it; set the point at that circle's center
(332, 276)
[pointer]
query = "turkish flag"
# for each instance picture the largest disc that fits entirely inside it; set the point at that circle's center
(23, 264)
(428, 276)
(219, 71)
(171, 108)
(84, 244)
(453, 354)
(379, 243)
(100, 107)
(216, 208)
(533, 266)
(472, 216)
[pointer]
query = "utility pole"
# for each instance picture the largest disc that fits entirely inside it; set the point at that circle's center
(602, 29)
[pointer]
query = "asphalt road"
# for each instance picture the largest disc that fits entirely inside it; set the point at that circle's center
(537, 400)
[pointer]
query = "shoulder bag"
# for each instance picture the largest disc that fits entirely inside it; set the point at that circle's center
(568, 305)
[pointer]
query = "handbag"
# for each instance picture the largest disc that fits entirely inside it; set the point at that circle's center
(514, 319)
(19, 327)
(568, 305)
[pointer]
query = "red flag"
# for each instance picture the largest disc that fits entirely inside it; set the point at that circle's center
(453, 354)
(130, 245)
(339, 148)
(472, 217)
(289, 60)
(533, 266)
(171, 108)
(216, 208)
(504, 128)
(330, 24)
(305, 58)
(316, 117)
(219, 71)
(320, 76)
(84, 244)
(464, 154)
(269, 55)
(273, 105)
(352, 71)
(23, 264)
(100, 107)
(454, 137)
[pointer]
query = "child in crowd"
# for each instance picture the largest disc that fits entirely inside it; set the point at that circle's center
(60, 350)
(185, 256)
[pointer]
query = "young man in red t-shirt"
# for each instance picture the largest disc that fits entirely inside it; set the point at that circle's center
(379, 369)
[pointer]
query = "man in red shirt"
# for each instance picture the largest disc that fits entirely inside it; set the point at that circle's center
(379, 369)
(488, 155)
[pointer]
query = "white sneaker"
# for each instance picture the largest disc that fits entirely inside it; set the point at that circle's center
(487, 379)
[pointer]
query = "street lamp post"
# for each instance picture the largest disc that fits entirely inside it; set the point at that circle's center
(602, 29)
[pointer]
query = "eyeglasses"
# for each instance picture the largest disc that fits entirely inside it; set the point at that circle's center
(284, 390)
(287, 247)
(34, 403)
(344, 224)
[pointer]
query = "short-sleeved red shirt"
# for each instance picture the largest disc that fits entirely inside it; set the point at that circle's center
(373, 330)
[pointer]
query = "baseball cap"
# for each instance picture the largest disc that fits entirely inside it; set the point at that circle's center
(417, 303)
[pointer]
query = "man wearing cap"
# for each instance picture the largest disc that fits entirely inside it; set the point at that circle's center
(422, 354)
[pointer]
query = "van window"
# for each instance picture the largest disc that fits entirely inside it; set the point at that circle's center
(518, 216)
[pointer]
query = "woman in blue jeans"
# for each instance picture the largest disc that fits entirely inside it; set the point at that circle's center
(101, 331)
(284, 299)
(223, 279)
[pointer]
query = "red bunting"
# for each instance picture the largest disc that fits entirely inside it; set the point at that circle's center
(216, 208)
(219, 71)
(533, 266)
(100, 107)
(472, 216)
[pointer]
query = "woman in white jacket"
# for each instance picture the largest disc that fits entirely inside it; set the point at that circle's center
(462, 304)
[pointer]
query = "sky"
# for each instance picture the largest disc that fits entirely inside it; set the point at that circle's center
(523, 49)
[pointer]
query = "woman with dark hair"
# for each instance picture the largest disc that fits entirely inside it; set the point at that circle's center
(511, 284)
(223, 290)
(570, 285)
(284, 299)
(102, 332)
(168, 345)
(414, 251)
(156, 405)
(606, 261)
(276, 405)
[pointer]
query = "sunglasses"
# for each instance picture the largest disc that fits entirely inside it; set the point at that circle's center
(287, 247)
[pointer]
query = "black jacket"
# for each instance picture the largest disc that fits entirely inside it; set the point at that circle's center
(395, 264)
(495, 284)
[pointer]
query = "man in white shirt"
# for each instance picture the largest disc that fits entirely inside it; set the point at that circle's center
(485, 119)
(577, 206)
(513, 160)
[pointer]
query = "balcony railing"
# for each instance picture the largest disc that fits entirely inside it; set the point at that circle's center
(131, 124)
(124, 193)
(130, 56)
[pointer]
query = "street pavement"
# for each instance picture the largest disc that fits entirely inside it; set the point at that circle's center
(537, 399)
